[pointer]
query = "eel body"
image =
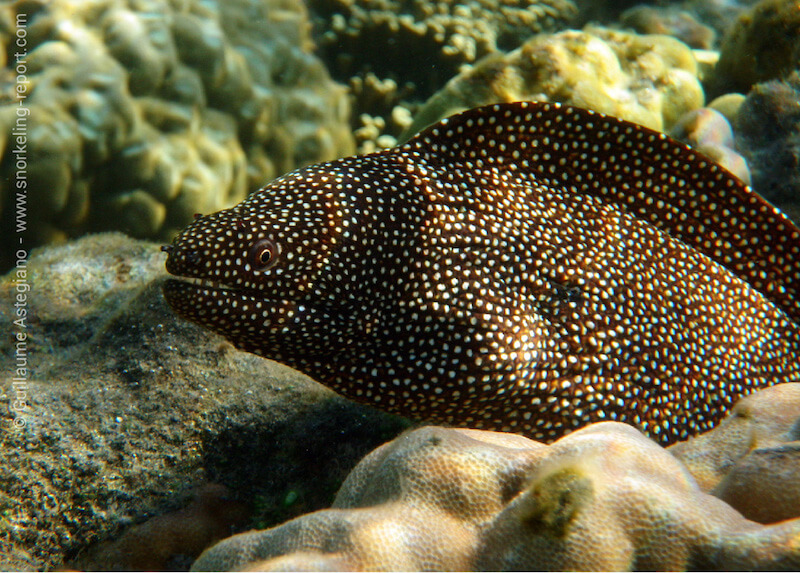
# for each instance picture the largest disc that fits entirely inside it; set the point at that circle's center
(528, 267)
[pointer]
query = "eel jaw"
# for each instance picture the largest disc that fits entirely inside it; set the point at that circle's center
(200, 292)
(229, 312)
(203, 283)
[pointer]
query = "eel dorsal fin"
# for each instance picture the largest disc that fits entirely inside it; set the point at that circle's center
(642, 171)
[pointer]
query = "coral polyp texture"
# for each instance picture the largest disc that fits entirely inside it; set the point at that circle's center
(138, 114)
(604, 497)
(751, 459)
(651, 80)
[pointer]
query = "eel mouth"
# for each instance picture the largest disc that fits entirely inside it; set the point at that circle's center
(180, 290)
(201, 283)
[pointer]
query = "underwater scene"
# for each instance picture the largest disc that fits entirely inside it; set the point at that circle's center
(322, 285)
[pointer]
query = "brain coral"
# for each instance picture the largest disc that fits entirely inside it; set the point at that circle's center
(605, 497)
(651, 80)
(424, 42)
(143, 112)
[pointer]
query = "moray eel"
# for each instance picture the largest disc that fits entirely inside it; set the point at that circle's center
(526, 267)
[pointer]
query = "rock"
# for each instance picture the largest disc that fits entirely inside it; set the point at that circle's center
(728, 105)
(672, 20)
(163, 542)
(708, 131)
(121, 410)
(767, 132)
(763, 44)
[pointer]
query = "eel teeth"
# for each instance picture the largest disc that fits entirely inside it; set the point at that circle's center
(207, 283)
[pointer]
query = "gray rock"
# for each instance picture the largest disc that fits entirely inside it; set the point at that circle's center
(127, 409)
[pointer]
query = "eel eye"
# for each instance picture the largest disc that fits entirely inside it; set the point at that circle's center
(263, 254)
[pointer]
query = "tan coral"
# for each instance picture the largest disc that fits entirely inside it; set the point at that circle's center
(709, 132)
(752, 459)
(604, 497)
(650, 80)
(413, 504)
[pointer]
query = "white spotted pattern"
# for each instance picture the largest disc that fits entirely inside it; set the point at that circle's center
(527, 267)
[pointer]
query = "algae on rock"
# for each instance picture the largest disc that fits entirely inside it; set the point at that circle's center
(129, 408)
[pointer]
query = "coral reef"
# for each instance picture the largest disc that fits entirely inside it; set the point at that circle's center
(127, 408)
(672, 20)
(144, 112)
(763, 44)
(651, 80)
(394, 54)
(165, 541)
(604, 497)
(708, 131)
(767, 131)
(383, 112)
(751, 459)
(425, 42)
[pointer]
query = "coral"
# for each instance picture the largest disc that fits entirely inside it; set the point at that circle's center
(413, 504)
(604, 497)
(728, 105)
(708, 131)
(763, 44)
(719, 16)
(165, 540)
(669, 20)
(144, 112)
(381, 118)
(751, 459)
(767, 131)
(424, 42)
(651, 80)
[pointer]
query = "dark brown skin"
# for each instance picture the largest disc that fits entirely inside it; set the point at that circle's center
(527, 267)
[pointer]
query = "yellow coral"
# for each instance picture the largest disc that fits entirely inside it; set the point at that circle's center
(651, 80)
